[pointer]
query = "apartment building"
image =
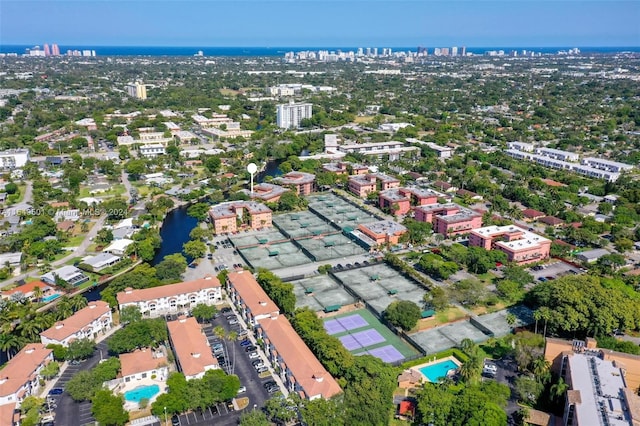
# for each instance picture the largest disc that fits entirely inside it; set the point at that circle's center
(345, 168)
(362, 185)
(558, 154)
(21, 378)
(191, 348)
(152, 150)
(401, 200)
(172, 298)
(607, 165)
(88, 323)
(392, 149)
(601, 382)
(448, 219)
(137, 90)
(442, 152)
(228, 217)
(250, 299)
(291, 115)
(383, 231)
(519, 245)
(299, 369)
(302, 183)
(267, 192)
(13, 159)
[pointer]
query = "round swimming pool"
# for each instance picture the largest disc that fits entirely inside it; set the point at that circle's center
(141, 392)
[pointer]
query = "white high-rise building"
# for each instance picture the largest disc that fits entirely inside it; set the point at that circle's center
(290, 115)
(137, 90)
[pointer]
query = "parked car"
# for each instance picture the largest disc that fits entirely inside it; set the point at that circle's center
(56, 391)
(269, 384)
(259, 364)
(245, 343)
(233, 322)
(251, 348)
(243, 333)
(225, 310)
(175, 420)
(254, 355)
(262, 369)
(273, 389)
(489, 370)
(242, 389)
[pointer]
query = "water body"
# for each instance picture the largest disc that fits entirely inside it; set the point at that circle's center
(174, 233)
(271, 169)
(280, 51)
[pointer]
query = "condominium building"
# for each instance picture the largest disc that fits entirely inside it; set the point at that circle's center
(250, 299)
(608, 165)
(400, 200)
(21, 378)
(519, 245)
(302, 183)
(191, 348)
(172, 298)
(392, 149)
(13, 158)
(267, 192)
(137, 90)
(602, 383)
(345, 168)
(558, 154)
(228, 217)
(448, 219)
(88, 323)
(383, 231)
(291, 115)
(143, 363)
(443, 152)
(152, 150)
(362, 185)
(299, 369)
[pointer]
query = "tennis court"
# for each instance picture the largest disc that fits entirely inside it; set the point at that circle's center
(361, 333)
(302, 224)
(274, 256)
(254, 238)
(330, 247)
(320, 292)
(379, 285)
(339, 211)
(448, 336)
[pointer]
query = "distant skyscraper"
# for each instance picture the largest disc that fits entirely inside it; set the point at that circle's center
(375, 51)
(47, 52)
(290, 115)
(55, 50)
(137, 90)
(454, 51)
(368, 51)
(463, 51)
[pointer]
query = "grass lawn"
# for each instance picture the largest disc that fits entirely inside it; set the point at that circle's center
(496, 348)
(228, 92)
(75, 241)
(118, 189)
(363, 119)
(481, 310)
(443, 317)
(143, 190)
(486, 278)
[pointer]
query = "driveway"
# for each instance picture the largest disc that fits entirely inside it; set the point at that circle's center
(69, 412)
(506, 374)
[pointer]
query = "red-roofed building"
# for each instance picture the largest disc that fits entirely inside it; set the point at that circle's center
(143, 363)
(551, 221)
(28, 290)
(191, 348)
(20, 378)
(88, 323)
(406, 408)
(249, 298)
(400, 200)
(300, 370)
(172, 298)
(302, 183)
(531, 215)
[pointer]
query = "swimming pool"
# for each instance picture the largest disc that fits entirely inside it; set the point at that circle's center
(141, 392)
(435, 372)
(50, 297)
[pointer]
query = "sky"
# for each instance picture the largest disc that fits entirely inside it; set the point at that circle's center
(315, 23)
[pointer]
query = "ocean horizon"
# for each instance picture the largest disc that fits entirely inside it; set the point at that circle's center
(213, 51)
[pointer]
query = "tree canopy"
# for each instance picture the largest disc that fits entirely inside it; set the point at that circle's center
(403, 313)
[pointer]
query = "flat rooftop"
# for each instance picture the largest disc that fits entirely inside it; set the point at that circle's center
(385, 227)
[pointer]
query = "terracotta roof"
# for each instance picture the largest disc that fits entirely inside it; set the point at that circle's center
(65, 225)
(76, 322)
(191, 347)
(532, 214)
(146, 294)
(551, 220)
(252, 295)
(27, 288)
(406, 407)
(303, 365)
(140, 361)
(21, 368)
(411, 376)
(7, 412)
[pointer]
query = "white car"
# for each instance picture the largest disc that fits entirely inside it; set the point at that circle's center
(490, 369)
(254, 355)
(242, 389)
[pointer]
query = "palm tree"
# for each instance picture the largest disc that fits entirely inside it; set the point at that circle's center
(558, 389)
(29, 329)
(77, 302)
(64, 309)
(219, 332)
(469, 372)
(545, 313)
(541, 369)
(231, 337)
(537, 315)
(9, 343)
(37, 293)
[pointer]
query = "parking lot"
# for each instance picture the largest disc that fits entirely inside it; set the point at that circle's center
(554, 270)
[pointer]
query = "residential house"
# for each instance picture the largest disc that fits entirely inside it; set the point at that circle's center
(172, 298)
(100, 261)
(118, 247)
(28, 291)
(531, 215)
(68, 274)
(88, 323)
(191, 348)
(592, 256)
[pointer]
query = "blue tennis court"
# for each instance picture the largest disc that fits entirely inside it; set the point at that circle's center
(361, 339)
(343, 324)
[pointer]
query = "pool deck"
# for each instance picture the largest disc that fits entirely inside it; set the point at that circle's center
(417, 368)
(127, 386)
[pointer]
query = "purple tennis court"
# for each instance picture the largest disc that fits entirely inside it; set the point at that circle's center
(361, 339)
(334, 327)
(352, 322)
(386, 353)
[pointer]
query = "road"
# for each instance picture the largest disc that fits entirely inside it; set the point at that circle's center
(22, 205)
(506, 374)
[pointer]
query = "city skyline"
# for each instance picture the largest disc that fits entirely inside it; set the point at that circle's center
(314, 23)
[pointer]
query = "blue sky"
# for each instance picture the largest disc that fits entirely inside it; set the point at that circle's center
(293, 23)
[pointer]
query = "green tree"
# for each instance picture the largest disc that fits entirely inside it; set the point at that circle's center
(417, 232)
(194, 249)
(129, 314)
(322, 412)
(468, 292)
(81, 387)
(198, 233)
(80, 349)
(517, 274)
(198, 210)
(254, 418)
(108, 409)
(213, 164)
(203, 312)
(171, 267)
(139, 334)
(403, 313)
(135, 168)
(50, 370)
(528, 389)
(30, 408)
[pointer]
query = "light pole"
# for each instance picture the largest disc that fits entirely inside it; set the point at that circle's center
(166, 422)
